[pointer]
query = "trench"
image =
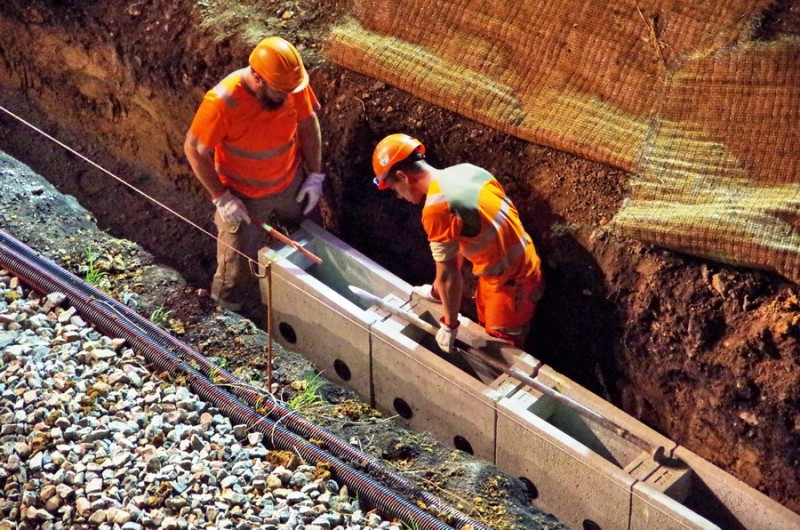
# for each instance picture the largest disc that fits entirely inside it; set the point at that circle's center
(615, 318)
(384, 229)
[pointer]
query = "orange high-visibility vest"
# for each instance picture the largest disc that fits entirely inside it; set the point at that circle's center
(255, 149)
(467, 204)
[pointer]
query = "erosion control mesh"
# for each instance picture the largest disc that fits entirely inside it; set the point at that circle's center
(679, 93)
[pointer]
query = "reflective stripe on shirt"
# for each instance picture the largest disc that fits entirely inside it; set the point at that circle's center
(257, 155)
(490, 232)
(225, 95)
(508, 259)
(262, 183)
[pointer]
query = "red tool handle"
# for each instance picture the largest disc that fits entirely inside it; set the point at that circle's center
(286, 240)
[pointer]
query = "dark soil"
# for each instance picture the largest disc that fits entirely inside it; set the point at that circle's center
(703, 352)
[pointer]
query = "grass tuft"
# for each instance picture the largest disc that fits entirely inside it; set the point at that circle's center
(159, 317)
(307, 394)
(94, 276)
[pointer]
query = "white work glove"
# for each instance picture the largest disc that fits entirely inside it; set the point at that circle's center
(427, 292)
(231, 209)
(446, 336)
(311, 189)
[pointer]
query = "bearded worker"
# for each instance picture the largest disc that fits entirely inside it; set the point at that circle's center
(466, 214)
(255, 146)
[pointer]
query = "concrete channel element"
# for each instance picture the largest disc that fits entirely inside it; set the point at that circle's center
(586, 473)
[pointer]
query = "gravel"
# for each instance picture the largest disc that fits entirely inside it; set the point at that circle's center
(90, 438)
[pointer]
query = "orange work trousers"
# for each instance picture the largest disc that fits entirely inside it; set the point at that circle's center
(506, 309)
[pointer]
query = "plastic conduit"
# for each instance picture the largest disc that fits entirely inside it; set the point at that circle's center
(169, 354)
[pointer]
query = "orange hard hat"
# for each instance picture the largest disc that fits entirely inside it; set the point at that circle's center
(279, 64)
(391, 150)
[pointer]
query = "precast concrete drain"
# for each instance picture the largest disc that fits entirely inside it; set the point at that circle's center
(589, 473)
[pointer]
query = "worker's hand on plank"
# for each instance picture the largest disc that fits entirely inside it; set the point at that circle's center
(446, 336)
(231, 209)
(311, 190)
(427, 292)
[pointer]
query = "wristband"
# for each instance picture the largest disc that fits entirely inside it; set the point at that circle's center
(441, 321)
(215, 197)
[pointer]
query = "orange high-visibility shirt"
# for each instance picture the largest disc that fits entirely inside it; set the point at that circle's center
(467, 205)
(255, 148)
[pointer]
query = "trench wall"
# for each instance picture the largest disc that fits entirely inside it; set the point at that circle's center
(687, 96)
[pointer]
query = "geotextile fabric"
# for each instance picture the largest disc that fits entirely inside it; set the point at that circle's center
(679, 93)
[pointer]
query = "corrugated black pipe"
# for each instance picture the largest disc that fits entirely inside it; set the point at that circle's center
(161, 348)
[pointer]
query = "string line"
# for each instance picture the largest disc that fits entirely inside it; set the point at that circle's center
(131, 186)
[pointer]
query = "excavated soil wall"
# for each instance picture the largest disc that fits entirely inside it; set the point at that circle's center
(705, 353)
(690, 97)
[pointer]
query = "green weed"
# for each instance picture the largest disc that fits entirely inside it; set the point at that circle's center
(94, 276)
(411, 525)
(214, 371)
(159, 317)
(307, 395)
(564, 229)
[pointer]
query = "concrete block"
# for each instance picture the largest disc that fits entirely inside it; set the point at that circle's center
(336, 340)
(428, 392)
(729, 502)
(501, 387)
(613, 443)
(581, 488)
(651, 509)
(315, 313)
(668, 476)
(343, 266)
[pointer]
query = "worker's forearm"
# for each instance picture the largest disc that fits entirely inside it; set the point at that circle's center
(209, 179)
(449, 284)
(310, 139)
(204, 170)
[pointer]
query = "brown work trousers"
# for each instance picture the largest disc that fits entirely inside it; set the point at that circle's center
(234, 285)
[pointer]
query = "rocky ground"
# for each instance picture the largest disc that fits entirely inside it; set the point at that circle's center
(703, 352)
(40, 344)
(90, 436)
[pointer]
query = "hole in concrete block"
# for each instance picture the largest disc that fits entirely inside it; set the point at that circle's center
(403, 408)
(462, 444)
(287, 332)
(342, 370)
(588, 524)
(530, 488)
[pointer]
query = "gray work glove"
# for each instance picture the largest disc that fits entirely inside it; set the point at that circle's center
(311, 190)
(427, 292)
(446, 336)
(231, 209)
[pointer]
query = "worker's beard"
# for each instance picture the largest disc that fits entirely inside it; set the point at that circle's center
(269, 103)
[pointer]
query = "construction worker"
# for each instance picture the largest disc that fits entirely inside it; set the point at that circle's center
(466, 214)
(255, 145)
